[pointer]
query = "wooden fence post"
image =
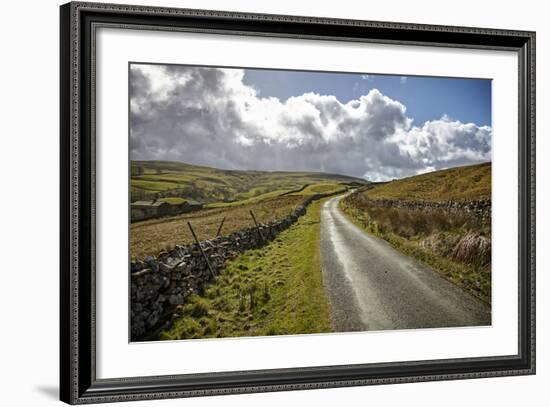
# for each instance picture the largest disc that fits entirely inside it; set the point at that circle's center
(220, 228)
(200, 248)
(257, 227)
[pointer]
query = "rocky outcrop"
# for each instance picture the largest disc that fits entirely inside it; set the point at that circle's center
(159, 284)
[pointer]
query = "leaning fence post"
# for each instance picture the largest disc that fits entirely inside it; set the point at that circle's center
(200, 248)
(220, 228)
(256, 223)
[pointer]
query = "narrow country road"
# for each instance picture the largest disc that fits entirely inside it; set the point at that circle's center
(372, 286)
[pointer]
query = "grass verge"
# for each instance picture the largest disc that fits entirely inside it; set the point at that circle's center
(277, 290)
(431, 240)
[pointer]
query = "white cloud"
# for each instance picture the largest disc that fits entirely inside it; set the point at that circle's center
(208, 116)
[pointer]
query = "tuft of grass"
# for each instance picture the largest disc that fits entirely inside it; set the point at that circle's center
(199, 308)
(276, 290)
(473, 248)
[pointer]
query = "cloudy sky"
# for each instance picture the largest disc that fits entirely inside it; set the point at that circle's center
(376, 127)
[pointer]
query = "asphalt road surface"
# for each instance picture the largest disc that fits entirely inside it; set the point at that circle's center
(372, 286)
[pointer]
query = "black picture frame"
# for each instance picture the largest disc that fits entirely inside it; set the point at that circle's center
(78, 382)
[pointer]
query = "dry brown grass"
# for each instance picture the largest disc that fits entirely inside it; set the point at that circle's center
(473, 248)
(152, 236)
(459, 183)
(456, 245)
(440, 243)
(409, 222)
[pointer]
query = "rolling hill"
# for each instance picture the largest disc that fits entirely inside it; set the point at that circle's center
(158, 179)
(458, 183)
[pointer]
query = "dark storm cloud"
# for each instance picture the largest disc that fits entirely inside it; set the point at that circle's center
(208, 116)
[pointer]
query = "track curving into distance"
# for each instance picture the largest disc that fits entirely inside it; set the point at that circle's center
(372, 286)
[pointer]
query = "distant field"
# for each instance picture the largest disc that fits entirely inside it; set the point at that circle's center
(156, 179)
(229, 194)
(322, 188)
(151, 236)
(247, 201)
(459, 183)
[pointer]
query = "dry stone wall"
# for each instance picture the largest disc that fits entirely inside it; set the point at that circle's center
(159, 284)
(481, 208)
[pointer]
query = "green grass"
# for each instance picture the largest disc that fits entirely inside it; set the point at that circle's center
(314, 189)
(321, 188)
(174, 200)
(247, 201)
(277, 290)
(151, 186)
(459, 183)
(155, 179)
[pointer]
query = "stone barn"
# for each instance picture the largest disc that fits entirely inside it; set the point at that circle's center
(142, 210)
(192, 206)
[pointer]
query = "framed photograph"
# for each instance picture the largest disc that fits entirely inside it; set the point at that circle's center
(256, 203)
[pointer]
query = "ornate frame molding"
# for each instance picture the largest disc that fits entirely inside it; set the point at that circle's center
(77, 279)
